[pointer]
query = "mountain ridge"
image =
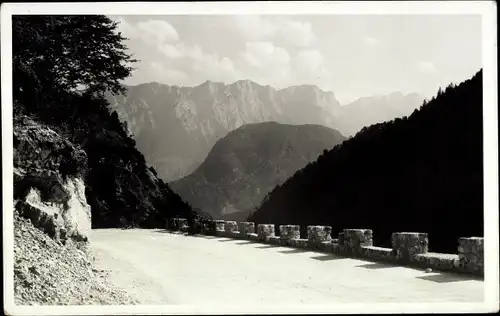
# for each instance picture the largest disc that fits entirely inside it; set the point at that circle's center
(198, 116)
(201, 115)
(244, 165)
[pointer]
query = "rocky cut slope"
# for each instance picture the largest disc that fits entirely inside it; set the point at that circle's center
(246, 164)
(175, 127)
(49, 173)
(423, 173)
(52, 222)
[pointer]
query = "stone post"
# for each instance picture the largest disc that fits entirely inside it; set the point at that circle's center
(318, 234)
(209, 227)
(175, 224)
(265, 230)
(406, 245)
(471, 254)
(341, 239)
(288, 233)
(231, 229)
(246, 228)
(220, 225)
(182, 224)
(230, 226)
(355, 239)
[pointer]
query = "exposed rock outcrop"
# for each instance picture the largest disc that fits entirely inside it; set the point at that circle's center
(48, 181)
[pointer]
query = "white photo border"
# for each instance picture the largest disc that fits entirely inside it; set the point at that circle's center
(487, 9)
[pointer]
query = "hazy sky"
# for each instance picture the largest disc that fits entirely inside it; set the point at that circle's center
(353, 56)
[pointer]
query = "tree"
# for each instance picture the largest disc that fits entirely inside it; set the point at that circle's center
(54, 55)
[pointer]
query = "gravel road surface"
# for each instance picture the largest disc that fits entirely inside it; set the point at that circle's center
(157, 267)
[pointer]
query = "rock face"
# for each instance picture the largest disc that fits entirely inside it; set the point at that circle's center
(176, 127)
(48, 181)
(248, 163)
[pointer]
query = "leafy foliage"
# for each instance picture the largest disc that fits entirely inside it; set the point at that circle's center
(63, 66)
(418, 173)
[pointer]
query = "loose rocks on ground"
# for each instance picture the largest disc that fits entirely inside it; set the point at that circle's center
(49, 273)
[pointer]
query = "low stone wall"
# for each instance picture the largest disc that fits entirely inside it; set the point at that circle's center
(471, 254)
(246, 228)
(408, 245)
(318, 234)
(378, 253)
(231, 226)
(264, 231)
(355, 239)
(408, 248)
(288, 232)
(220, 225)
(183, 225)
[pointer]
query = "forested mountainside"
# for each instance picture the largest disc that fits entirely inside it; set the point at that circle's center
(246, 164)
(421, 173)
(50, 61)
(175, 127)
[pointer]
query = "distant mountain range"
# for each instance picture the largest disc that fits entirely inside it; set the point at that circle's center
(366, 111)
(175, 127)
(423, 173)
(245, 165)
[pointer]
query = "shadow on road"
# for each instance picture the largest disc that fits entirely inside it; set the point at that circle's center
(448, 277)
(376, 266)
(298, 250)
(245, 242)
(328, 258)
(267, 246)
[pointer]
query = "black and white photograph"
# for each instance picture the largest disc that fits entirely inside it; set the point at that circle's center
(250, 157)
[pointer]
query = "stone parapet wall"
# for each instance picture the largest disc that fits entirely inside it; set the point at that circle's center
(264, 231)
(290, 232)
(318, 234)
(220, 225)
(355, 239)
(231, 226)
(471, 254)
(408, 248)
(246, 228)
(408, 245)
